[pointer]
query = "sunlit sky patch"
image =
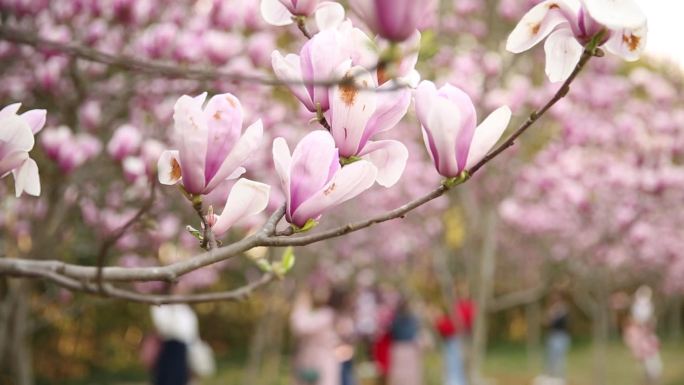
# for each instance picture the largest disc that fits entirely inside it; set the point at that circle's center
(665, 29)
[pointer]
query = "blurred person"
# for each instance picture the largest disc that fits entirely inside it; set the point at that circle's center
(179, 353)
(405, 352)
(454, 327)
(342, 302)
(640, 335)
(313, 324)
(558, 339)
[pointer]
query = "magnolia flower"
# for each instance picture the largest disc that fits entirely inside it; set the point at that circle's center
(355, 116)
(69, 150)
(16, 140)
(125, 142)
(319, 60)
(395, 20)
(312, 178)
(448, 119)
(211, 146)
(570, 26)
(246, 198)
(281, 12)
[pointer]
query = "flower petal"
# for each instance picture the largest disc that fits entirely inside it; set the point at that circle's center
(288, 69)
(536, 24)
(275, 13)
(35, 119)
(563, 52)
(389, 157)
(311, 167)
(16, 134)
(191, 128)
(224, 121)
(487, 134)
(329, 15)
(10, 109)
(168, 168)
(443, 128)
(246, 198)
(616, 14)
(351, 109)
(628, 43)
(347, 183)
(27, 179)
(391, 108)
(282, 161)
(241, 151)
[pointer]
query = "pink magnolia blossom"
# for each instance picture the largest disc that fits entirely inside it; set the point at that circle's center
(125, 142)
(16, 140)
(211, 146)
(394, 20)
(356, 116)
(312, 178)
(68, 150)
(449, 119)
(246, 198)
(569, 29)
(281, 12)
(320, 60)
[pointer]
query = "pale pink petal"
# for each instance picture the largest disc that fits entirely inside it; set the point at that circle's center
(351, 109)
(16, 133)
(329, 15)
(282, 161)
(314, 161)
(563, 52)
(275, 13)
(11, 161)
(237, 173)
(191, 127)
(389, 157)
(536, 24)
(391, 108)
(35, 119)
(246, 198)
(348, 182)
(487, 134)
(242, 150)
(10, 109)
(168, 168)
(444, 123)
(628, 44)
(26, 178)
(288, 69)
(224, 121)
(616, 14)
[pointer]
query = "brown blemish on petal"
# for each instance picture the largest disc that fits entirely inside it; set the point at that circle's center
(632, 42)
(231, 102)
(535, 28)
(348, 93)
(175, 170)
(329, 189)
(553, 6)
(217, 115)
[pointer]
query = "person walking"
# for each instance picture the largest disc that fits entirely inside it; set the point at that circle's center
(405, 353)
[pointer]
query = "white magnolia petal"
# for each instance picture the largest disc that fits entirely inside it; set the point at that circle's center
(535, 25)
(16, 133)
(168, 167)
(563, 52)
(351, 109)
(10, 109)
(27, 179)
(288, 69)
(246, 198)
(192, 130)
(275, 13)
(629, 44)
(487, 134)
(616, 14)
(389, 157)
(329, 15)
(237, 173)
(444, 124)
(282, 161)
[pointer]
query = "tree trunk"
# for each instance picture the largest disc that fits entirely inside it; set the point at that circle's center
(600, 332)
(20, 344)
(484, 292)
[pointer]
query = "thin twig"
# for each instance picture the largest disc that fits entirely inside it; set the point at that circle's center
(108, 243)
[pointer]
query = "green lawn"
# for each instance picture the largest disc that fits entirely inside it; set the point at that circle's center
(509, 365)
